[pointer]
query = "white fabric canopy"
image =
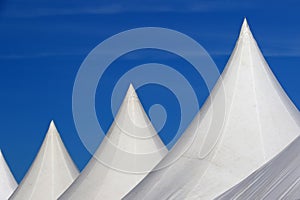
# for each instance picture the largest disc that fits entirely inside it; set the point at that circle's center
(260, 121)
(8, 183)
(51, 172)
(129, 151)
(278, 179)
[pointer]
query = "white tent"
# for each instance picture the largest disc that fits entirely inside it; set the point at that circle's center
(51, 173)
(260, 121)
(129, 151)
(278, 179)
(8, 183)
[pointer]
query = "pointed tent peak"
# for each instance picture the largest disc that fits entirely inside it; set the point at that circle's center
(128, 152)
(131, 87)
(245, 22)
(51, 172)
(52, 123)
(245, 26)
(245, 30)
(52, 128)
(3, 160)
(1, 155)
(131, 94)
(132, 119)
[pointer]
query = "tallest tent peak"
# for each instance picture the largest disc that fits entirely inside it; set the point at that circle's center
(245, 23)
(52, 124)
(245, 30)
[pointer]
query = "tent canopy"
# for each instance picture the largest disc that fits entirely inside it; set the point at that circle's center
(278, 179)
(259, 122)
(130, 150)
(51, 172)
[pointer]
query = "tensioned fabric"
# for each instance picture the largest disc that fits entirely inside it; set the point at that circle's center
(51, 173)
(130, 150)
(278, 179)
(260, 121)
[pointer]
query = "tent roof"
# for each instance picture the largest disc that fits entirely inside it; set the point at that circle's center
(129, 151)
(260, 121)
(8, 183)
(51, 172)
(278, 179)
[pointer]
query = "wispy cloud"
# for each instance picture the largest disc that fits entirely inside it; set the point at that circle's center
(42, 12)
(283, 53)
(39, 55)
(39, 10)
(281, 47)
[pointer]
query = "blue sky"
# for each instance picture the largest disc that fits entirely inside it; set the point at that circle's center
(43, 44)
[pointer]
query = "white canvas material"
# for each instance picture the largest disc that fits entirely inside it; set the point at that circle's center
(8, 183)
(130, 150)
(278, 179)
(260, 121)
(51, 173)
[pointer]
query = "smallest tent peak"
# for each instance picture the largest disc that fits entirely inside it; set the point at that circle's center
(1, 156)
(7, 181)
